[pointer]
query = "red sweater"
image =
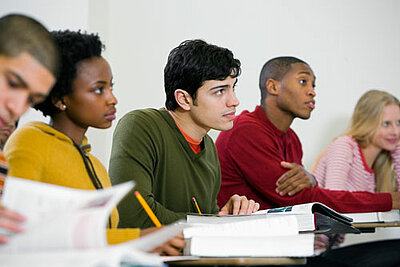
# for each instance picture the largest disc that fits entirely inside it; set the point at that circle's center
(250, 155)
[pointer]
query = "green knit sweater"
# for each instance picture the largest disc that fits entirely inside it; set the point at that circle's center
(149, 148)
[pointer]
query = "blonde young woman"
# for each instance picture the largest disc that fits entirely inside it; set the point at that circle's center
(367, 157)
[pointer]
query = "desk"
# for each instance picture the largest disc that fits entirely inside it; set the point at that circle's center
(376, 224)
(242, 261)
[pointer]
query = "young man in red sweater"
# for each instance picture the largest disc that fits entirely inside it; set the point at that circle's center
(261, 150)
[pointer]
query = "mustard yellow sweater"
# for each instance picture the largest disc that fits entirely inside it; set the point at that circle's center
(38, 152)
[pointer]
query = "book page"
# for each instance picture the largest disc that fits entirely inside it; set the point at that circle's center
(271, 226)
(155, 239)
(59, 217)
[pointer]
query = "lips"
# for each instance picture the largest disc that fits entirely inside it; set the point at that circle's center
(110, 115)
(311, 104)
(230, 115)
(392, 140)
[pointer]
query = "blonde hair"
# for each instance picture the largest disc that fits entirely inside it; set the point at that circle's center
(365, 123)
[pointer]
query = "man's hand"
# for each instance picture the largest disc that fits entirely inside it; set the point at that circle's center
(294, 180)
(172, 247)
(239, 205)
(10, 220)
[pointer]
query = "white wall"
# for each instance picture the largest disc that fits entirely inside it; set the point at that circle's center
(352, 46)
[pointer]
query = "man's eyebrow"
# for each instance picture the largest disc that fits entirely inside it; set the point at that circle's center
(219, 87)
(307, 73)
(20, 79)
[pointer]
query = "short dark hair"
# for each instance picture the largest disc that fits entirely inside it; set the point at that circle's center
(276, 69)
(74, 47)
(20, 33)
(192, 63)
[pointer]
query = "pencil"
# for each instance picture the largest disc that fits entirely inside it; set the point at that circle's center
(197, 206)
(147, 209)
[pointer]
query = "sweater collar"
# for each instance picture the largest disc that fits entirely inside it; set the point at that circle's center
(259, 113)
(180, 136)
(46, 128)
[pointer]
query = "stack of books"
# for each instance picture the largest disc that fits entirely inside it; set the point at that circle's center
(283, 232)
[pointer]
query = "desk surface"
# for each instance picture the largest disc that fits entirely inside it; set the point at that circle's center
(241, 261)
(376, 224)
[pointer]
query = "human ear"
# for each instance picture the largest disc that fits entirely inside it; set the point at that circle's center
(183, 99)
(272, 86)
(59, 103)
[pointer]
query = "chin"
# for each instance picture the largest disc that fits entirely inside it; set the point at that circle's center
(304, 116)
(224, 127)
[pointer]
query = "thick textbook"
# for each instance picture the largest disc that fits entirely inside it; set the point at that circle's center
(258, 236)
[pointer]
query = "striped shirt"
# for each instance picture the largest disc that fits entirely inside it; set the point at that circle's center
(343, 167)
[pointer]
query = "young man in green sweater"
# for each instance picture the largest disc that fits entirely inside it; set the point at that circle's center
(167, 151)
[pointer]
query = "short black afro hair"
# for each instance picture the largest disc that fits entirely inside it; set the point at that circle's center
(74, 47)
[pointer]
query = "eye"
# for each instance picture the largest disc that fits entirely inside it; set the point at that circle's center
(303, 82)
(98, 90)
(398, 122)
(12, 83)
(220, 92)
(385, 124)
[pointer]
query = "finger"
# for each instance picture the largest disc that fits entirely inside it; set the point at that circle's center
(11, 225)
(297, 189)
(3, 239)
(4, 212)
(170, 250)
(226, 208)
(240, 206)
(287, 165)
(286, 176)
(289, 185)
(250, 206)
(256, 207)
(177, 242)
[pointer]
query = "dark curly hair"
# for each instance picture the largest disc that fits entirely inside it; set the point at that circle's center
(74, 47)
(192, 63)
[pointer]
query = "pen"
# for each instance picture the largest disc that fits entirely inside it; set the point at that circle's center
(147, 209)
(197, 206)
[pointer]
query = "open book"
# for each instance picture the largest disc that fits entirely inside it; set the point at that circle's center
(315, 217)
(68, 226)
(59, 217)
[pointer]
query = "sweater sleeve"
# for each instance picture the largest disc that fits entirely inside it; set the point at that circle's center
(25, 152)
(334, 167)
(258, 159)
(396, 162)
(134, 157)
(116, 236)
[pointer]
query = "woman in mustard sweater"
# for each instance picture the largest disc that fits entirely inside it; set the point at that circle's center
(59, 153)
